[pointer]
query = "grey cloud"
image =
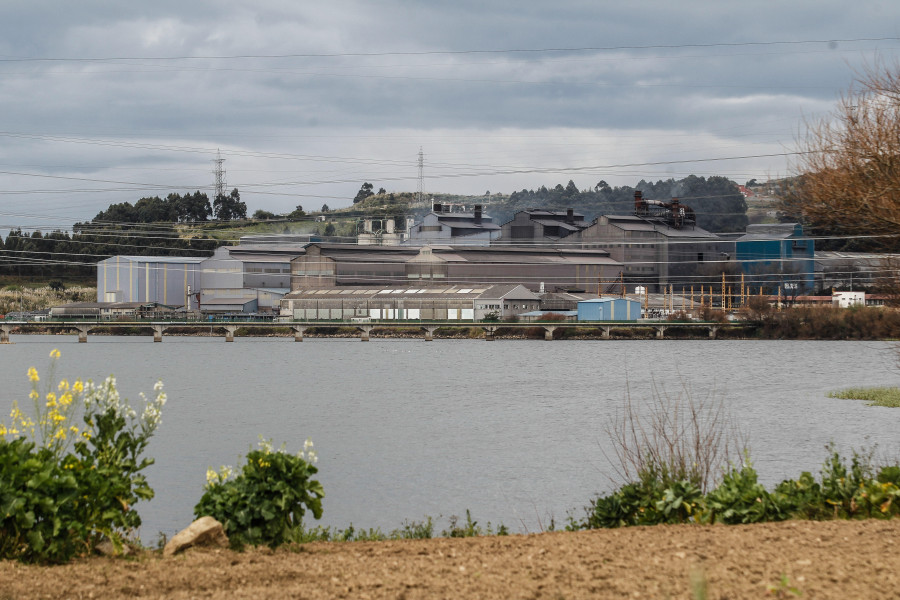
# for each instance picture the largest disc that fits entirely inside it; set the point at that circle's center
(737, 99)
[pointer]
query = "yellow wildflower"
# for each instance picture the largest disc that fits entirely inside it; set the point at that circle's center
(73, 429)
(2, 429)
(60, 434)
(78, 387)
(33, 394)
(63, 385)
(54, 353)
(33, 374)
(51, 400)
(65, 399)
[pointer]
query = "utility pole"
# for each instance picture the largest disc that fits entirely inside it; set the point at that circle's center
(420, 194)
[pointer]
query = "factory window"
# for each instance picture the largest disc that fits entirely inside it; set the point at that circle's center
(699, 257)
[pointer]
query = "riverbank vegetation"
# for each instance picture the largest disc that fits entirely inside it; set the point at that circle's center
(875, 396)
(676, 458)
(66, 488)
(824, 323)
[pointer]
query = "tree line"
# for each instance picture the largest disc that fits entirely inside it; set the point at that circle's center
(61, 255)
(176, 208)
(120, 229)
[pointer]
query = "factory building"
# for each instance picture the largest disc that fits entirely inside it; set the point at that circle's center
(430, 303)
(538, 226)
(336, 265)
(609, 309)
(777, 256)
(162, 279)
(442, 226)
(660, 244)
(251, 278)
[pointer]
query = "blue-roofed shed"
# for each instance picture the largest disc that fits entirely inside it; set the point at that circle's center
(609, 309)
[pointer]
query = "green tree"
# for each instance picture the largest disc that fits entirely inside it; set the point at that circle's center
(365, 191)
(154, 210)
(191, 207)
(230, 207)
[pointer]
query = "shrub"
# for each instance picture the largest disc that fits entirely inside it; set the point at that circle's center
(266, 501)
(55, 503)
(37, 498)
(678, 438)
(854, 491)
(740, 498)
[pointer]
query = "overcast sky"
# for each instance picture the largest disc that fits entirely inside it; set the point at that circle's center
(104, 102)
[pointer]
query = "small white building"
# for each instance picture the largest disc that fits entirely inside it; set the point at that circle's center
(848, 299)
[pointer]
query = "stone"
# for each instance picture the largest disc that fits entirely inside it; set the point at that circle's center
(205, 531)
(107, 548)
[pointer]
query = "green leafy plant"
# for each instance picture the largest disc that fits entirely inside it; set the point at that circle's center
(36, 504)
(471, 528)
(783, 589)
(56, 502)
(265, 502)
(740, 498)
(415, 530)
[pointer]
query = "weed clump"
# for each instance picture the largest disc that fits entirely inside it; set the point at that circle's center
(875, 396)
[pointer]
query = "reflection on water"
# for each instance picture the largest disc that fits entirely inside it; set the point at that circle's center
(513, 430)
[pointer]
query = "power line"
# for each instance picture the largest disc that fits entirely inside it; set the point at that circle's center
(451, 52)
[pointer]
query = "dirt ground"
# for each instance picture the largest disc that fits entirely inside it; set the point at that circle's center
(846, 560)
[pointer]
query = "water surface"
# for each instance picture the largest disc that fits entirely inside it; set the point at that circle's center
(513, 430)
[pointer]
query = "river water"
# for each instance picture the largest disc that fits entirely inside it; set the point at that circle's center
(512, 430)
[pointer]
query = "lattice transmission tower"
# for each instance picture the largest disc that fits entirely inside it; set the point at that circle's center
(219, 172)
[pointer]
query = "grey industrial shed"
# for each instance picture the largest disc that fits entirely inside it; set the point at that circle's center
(163, 279)
(438, 303)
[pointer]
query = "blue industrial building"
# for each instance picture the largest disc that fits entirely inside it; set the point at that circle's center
(777, 256)
(609, 309)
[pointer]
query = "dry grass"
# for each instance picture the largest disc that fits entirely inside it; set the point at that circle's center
(20, 298)
(675, 437)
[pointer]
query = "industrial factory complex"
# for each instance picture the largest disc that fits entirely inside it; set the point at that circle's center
(461, 265)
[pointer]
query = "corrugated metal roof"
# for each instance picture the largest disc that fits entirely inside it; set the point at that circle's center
(157, 259)
(497, 291)
(227, 301)
(632, 223)
(562, 224)
(509, 291)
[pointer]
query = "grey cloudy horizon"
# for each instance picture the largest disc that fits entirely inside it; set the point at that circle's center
(108, 102)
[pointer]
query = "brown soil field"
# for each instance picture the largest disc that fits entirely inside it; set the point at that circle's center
(836, 559)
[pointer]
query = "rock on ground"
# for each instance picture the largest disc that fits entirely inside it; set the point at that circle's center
(205, 531)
